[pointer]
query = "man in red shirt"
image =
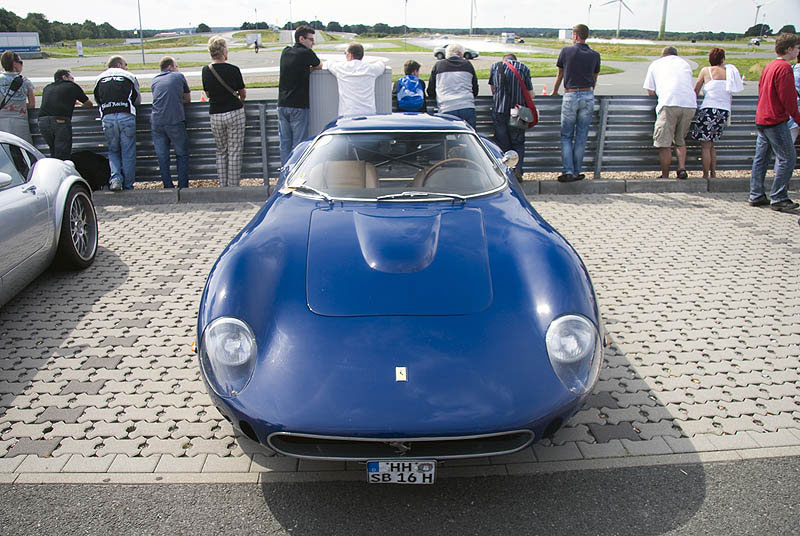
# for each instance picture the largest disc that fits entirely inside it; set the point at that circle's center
(777, 101)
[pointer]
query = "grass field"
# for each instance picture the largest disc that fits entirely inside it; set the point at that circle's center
(102, 47)
(749, 67)
(139, 66)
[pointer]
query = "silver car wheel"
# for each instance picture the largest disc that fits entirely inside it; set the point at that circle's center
(83, 228)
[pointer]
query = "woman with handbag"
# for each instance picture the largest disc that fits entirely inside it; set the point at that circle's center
(16, 97)
(224, 86)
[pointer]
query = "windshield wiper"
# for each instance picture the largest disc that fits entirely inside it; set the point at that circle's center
(311, 189)
(415, 193)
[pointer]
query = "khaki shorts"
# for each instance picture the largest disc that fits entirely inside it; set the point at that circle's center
(671, 126)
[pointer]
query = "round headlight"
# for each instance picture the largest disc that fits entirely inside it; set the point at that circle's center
(228, 355)
(575, 352)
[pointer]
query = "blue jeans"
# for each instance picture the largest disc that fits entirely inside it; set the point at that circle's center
(163, 135)
(292, 128)
(777, 139)
(509, 138)
(467, 114)
(577, 108)
(120, 132)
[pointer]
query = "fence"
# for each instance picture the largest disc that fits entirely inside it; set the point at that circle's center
(619, 137)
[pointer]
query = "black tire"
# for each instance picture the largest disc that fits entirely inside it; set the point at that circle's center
(439, 56)
(467, 56)
(77, 243)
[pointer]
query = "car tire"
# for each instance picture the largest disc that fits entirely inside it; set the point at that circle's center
(77, 243)
(467, 56)
(439, 56)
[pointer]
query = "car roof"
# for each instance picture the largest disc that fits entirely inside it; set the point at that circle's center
(6, 137)
(399, 121)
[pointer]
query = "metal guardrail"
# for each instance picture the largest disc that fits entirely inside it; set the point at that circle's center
(620, 137)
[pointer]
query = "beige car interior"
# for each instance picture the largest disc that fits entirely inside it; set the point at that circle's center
(343, 174)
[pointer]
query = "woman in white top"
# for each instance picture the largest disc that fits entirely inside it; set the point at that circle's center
(718, 82)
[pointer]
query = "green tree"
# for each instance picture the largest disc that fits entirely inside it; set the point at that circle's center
(334, 26)
(381, 28)
(42, 26)
(758, 29)
(107, 31)
(788, 28)
(89, 30)
(202, 28)
(8, 21)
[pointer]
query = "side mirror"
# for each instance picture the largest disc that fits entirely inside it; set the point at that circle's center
(5, 179)
(510, 159)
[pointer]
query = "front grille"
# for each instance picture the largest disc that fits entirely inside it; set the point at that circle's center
(361, 449)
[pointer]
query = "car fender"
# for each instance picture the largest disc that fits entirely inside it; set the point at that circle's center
(60, 190)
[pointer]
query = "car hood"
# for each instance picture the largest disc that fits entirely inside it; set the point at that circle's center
(387, 262)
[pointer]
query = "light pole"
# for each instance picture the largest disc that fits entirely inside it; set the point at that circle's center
(141, 35)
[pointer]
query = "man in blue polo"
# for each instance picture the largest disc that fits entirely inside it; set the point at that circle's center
(578, 66)
(168, 121)
(297, 63)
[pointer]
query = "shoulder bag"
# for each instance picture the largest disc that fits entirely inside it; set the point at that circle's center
(222, 82)
(526, 116)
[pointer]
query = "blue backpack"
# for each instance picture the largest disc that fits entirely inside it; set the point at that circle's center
(410, 97)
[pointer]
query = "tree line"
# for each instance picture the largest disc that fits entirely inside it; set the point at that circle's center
(52, 32)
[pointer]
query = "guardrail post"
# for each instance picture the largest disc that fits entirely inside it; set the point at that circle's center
(262, 125)
(598, 157)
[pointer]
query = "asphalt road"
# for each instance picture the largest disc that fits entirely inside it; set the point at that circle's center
(756, 497)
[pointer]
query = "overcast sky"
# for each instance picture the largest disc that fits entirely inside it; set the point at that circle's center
(682, 15)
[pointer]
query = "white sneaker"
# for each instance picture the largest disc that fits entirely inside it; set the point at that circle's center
(116, 185)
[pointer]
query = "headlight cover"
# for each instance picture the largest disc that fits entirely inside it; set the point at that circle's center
(575, 352)
(228, 355)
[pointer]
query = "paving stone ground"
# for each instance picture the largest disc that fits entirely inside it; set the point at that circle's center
(699, 293)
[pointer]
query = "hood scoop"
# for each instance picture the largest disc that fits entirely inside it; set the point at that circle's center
(390, 261)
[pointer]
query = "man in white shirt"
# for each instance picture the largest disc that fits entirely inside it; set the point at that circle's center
(670, 78)
(356, 79)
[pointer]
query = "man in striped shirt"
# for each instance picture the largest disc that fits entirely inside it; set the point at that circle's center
(506, 94)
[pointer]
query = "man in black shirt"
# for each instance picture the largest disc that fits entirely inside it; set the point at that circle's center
(297, 63)
(578, 65)
(55, 115)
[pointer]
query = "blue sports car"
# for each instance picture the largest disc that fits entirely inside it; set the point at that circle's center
(398, 301)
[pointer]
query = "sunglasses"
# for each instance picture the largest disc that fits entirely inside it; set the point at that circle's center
(17, 60)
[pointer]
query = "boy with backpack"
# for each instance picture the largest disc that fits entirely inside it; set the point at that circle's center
(410, 89)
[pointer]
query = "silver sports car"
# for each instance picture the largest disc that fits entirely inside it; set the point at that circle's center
(46, 213)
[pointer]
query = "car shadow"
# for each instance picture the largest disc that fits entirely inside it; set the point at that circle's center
(37, 323)
(630, 496)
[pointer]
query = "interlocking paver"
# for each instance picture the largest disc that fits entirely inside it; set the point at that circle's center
(124, 463)
(702, 350)
(59, 415)
(70, 445)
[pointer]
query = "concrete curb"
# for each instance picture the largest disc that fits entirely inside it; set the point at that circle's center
(258, 194)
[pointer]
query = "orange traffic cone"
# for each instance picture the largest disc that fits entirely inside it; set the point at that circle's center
(544, 90)
(203, 96)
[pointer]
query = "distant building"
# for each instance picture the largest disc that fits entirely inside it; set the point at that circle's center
(507, 37)
(167, 34)
(565, 35)
(26, 44)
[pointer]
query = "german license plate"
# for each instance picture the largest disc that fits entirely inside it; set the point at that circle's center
(401, 471)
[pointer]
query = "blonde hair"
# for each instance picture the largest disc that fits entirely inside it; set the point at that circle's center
(217, 46)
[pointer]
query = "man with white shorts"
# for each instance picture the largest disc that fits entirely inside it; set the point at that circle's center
(670, 78)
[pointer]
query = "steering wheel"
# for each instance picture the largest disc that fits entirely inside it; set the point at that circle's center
(441, 163)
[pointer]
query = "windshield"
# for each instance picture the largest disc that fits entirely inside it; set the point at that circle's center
(378, 164)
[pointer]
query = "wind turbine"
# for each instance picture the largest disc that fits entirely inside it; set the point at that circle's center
(621, 4)
(472, 9)
(758, 8)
